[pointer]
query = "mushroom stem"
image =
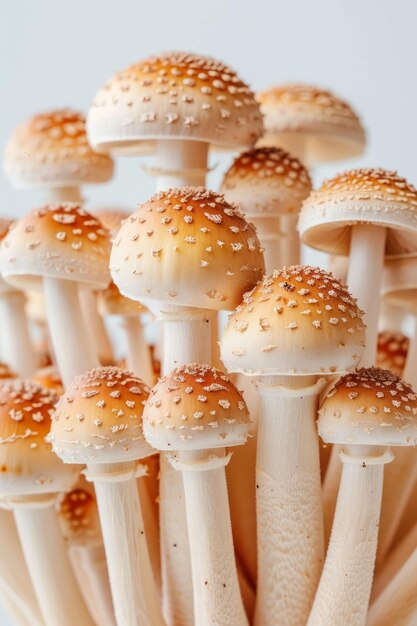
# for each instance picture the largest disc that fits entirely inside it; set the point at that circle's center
(96, 327)
(139, 359)
(16, 344)
(289, 514)
(72, 344)
(290, 240)
(330, 490)
(268, 231)
(180, 163)
(65, 194)
(345, 584)
(47, 559)
(134, 595)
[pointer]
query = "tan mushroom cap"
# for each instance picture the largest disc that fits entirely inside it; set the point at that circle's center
(298, 321)
(327, 126)
(194, 408)
(362, 196)
(57, 241)
(78, 515)
(392, 352)
(49, 378)
(51, 150)
(187, 247)
(266, 182)
(99, 418)
(173, 95)
(369, 407)
(399, 283)
(27, 463)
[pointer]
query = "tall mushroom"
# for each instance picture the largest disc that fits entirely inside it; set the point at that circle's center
(296, 327)
(365, 412)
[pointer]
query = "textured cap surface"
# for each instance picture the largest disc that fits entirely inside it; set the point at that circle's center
(392, 351)
(78, 515)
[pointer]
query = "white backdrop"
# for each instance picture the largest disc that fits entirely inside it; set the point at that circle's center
(55, 54)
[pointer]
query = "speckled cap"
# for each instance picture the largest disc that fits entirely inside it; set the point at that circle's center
(196, 407)
(399, 283)
(362, 196)
(299, 321)
(174, 95)
(392, 351)
(78, 515)
(310, 122)
(369, 407)
(187, 247)
(266, 182)
(51, 150)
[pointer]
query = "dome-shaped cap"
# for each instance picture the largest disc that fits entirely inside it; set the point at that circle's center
(399, 284)
(187, 247)
(78, 515)
(27, 463)
(99, 418)
(51, 150)
(194, 408)
(369, 407)
(324, 126)
(56, 241)
(49, 378)
(298, 321)
(362, 196)
(392, 351)
(266, 181)
(173, 96)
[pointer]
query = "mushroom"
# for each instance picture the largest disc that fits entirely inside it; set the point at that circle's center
(192, 414)
(296, 327)
(184, 253)
(269, 186)
(392, 351)
(98, 422)
(365, 413)
(30, 481)
(312, 123)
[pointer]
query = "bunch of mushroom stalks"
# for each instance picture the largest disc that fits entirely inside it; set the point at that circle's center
(293, 331)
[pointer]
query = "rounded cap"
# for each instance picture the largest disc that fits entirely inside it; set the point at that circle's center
(27, 464)
(99, 418)
(49, 378)
(312, 122)
(187, 247)
(369, 407)
(173, 96)
(56, 241)
(298, 321)
(399, 284)
(78, 515)
(362, 196)
(392, 352)
(266, 182)
(6, 373)
(51, 150)
(194, 408)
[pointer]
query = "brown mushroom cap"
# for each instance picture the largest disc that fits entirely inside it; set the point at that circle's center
(99, 418)
(78, 514)
(300, 320)
(392, 351)
(49, 378)
(58, 241)
(266, 182)
(6, 373)
(369, 407)
(362, 196)
(187, 247)
(194, 408)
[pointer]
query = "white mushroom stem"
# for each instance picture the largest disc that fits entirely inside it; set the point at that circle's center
(139, 358)
(331, 484)
(49, 566)
(16, 345)
(96, 327)
(179, 163)
(132, 585)
(217, 597)
(65, 194)
(288, 492)
(72, 344)
(268, 231)
(290, 240)
(345, 584)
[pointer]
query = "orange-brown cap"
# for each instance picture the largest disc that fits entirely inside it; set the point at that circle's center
(369, 407)
(298, 321)
(173, 96)
(266, 182)
(99, 418)
(57, 241)
(362, 196)
(392, 351)
(78, 515)
(49, 378)
(51, 150)
(6, 373)
(194, 408)
(187, 247)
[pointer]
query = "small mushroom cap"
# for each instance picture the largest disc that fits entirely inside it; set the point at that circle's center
(302, 116)
(194, 408)
(57, 241)
(369, 407)
(99, 418)
(187, 247)
(173, 96)
(399, 284)
(49, 378)
(266, 182)
(392, 352)
(78, 515)
(362, 196)
(298, 321)
(27, 463)
(51, 150)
